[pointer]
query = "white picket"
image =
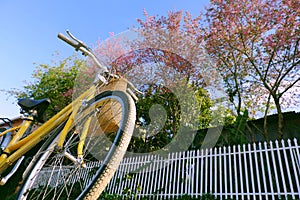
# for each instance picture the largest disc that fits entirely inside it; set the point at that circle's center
(288, 169)
(252, 175)
(225, 173)
(257, 172)
(230, 173)
(294, 166)
(252, 171)
(281, 167)
(269, 171)
(241, 172)
(235, 172)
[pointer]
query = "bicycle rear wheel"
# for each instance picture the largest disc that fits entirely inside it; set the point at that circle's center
(105, 125)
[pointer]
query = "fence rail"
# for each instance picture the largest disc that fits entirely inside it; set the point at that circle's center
(253, 171)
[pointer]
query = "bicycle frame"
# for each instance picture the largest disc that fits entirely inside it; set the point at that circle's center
(20, 144)
(18, 147)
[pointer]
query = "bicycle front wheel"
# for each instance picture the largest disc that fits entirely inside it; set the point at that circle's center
(91, 154)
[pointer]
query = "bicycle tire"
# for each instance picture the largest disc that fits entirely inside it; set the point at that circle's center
(56, 177)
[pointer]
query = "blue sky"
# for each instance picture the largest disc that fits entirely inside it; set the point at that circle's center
(28, 31)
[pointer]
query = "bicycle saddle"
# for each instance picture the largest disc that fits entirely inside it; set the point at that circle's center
(39, 105)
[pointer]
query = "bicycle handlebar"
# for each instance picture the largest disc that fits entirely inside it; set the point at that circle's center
(79, 45)
(67, 40)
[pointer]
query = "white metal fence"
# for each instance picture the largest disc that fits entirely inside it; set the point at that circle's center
(253, 171)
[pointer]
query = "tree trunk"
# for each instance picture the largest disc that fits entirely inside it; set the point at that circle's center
(250, 133)
(266, 129)
(280, 118)
(265, 120)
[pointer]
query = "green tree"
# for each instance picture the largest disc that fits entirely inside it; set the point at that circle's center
(159, 116)
(55, 82)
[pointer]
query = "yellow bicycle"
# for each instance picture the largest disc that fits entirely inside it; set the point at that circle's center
(82, 145)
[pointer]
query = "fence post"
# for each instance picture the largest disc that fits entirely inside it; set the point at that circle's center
(288, 168)
(269, 170)
(297, 165)
(225, 172)
(230, 172)
(251, 170)
(281, 167)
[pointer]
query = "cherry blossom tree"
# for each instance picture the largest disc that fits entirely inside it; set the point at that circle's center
(166, 58)
(256, 46)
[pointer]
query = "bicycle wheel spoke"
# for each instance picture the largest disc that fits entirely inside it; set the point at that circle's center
(98, 130)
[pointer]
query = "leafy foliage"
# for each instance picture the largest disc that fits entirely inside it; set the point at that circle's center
(237, 130)
(159, 115)
(53, 81)
(106, 196)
